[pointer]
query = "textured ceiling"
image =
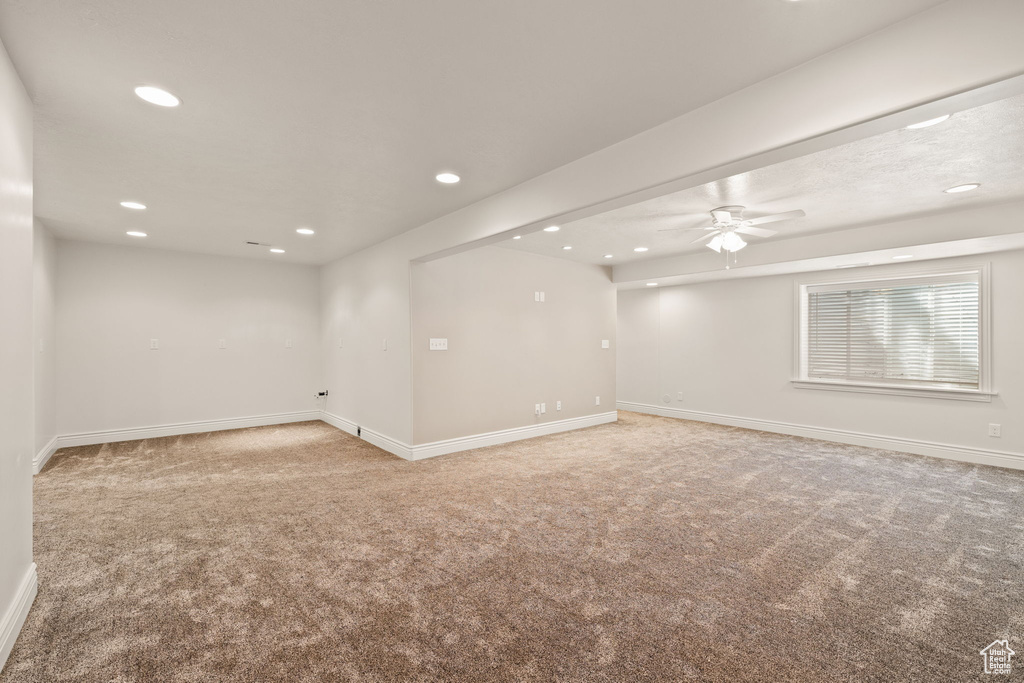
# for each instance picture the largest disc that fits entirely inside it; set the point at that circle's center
(337, 114)
(899, 174)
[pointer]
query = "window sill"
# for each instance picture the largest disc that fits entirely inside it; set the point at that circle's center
(897, 390)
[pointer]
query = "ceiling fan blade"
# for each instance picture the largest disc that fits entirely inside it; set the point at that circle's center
(756, 232)
(686, 229)
(705, 237)
(722, 216)
(776, 217)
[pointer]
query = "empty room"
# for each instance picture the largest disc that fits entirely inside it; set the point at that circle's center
(474, 341)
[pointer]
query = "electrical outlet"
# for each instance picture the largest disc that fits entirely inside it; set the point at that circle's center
(536, 297)
(385, 343)
(679, 396)
(597, 400)
(222, 343)
(341, 343)
(543, 408)
(287, 343)
(154, 344)
(558, 405)
(606, 344)
(995, 430)
(542, 297)
(536, 409)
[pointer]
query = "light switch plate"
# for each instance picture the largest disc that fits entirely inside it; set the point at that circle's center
(154, 344)
(438, 344)
(606, 344)
(222, 343)
(288, 343)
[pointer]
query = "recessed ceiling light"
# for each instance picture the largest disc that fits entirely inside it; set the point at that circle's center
(133, 205)
(963, 188)
(157, 96)
(277, 251)
(902, 257)
(609, 256)
(135, 233)
(929, 122)
(552, 228)
(305, 231)
(447, 178)
(518, 237)
(566, 248)
(652, 284)
(640, 249)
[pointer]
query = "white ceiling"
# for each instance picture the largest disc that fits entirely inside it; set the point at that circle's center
(337, 114)
(891, 176)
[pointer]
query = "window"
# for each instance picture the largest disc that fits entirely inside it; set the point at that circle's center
(918, 335)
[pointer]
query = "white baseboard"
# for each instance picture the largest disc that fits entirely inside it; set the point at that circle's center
(155, 432)
(399, 448)
(339, 422)
(39, 462)
(979, 456)
(465, 443)
(17, 612)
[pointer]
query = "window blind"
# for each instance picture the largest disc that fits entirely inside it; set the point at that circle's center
(923, 332)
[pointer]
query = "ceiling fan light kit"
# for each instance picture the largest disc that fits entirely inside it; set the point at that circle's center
(727, 224)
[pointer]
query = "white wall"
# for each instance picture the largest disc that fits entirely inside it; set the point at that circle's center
(728, 346)
(111, 300)
(44, 335)
(17, 438)
(365, 300)
(506, 351)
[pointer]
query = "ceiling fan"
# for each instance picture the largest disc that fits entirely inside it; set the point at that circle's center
(727, 224)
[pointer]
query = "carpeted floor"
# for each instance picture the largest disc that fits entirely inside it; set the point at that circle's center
(651, 549)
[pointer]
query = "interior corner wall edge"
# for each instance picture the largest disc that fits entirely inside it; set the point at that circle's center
(17, 430)
(44, 338)
(508, 352)
(729, 346)
(113, 300)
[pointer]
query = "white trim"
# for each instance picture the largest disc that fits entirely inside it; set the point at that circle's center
(339, 422)
(17, 612)
(155, 432)
(43, 456)
(394, 446)
(384, 442)
(896, 390)
(465, 443)
(982, 456)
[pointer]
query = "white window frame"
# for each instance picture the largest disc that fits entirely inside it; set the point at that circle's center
(984, 392)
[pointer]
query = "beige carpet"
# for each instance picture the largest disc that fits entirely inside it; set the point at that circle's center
(651, 549)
